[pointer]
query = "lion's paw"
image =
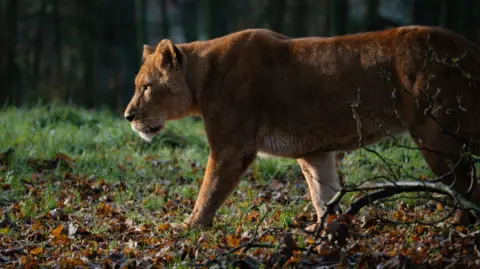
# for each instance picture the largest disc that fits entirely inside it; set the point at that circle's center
(179, 227)
(312, 228)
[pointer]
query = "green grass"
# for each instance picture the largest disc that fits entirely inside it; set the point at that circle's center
(102, 145)
(160, 178)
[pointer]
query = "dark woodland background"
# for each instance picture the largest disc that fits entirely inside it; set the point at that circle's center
(88, 51)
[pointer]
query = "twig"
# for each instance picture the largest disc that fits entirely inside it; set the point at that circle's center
(248, 245)
(245, 246)
(386, 190)
(409, 186)
(250, 242)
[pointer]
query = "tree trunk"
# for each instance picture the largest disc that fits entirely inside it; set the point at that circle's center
(190, 19)
(339, 18)
(299, 25)
(132, 55)
(276, 15)
(86, 94)
(425, 12)
(217, 25)
(466, 20)
(372, 20)
(38, 45)
(141, 22)
(4, 93)
(57, 43)
(10, 89)
(165, 23)
(448, 12)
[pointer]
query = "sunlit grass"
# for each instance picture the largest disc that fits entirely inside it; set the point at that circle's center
(160, 180)
(102, 145)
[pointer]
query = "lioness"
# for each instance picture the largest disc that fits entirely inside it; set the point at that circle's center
(259, 91)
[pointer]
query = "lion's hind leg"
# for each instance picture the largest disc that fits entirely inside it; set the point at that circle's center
(447, 156)
(323, 181)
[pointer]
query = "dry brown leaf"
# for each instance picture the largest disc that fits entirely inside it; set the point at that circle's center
(163, 227)
(36, 251)
(57, 232)
(232, 240)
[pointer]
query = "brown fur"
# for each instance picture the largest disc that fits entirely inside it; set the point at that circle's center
(259, 91)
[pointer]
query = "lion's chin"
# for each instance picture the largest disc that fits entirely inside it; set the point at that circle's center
(149, 134)
(146, 136)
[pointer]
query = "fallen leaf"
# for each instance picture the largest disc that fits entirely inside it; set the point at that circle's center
(163, 227)
(268, 238)
(72, 229)
(57, 232)
(232, 241)
(330, 218)
(36, 251)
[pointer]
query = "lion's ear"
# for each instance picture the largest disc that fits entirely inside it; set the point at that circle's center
(147, 50)
(171, 55)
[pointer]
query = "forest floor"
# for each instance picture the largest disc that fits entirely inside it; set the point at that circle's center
(79, 188)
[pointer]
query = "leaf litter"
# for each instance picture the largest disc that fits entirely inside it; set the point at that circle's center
(90, 227)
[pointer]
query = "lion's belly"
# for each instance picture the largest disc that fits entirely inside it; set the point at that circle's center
(284, 144)
(292, 144)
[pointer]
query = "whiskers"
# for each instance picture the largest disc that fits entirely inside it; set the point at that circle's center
(147, 125)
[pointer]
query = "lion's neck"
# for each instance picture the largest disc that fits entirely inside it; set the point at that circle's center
(196, 73)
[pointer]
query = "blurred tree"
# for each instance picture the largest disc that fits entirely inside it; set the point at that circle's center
(465, 21)
(141, 22)
(321, 26)
(88, 51)
(39, 40)
(448, 10)
(339, 17)
(189, 17)
(57, 36)
(476, 22)
(458, 16)
(86, 27)
(299, 19)
(426, 12)
(10, 90)
(275, 15)
(372, 21)
(127, 53)
(218, 10)
(165, 23)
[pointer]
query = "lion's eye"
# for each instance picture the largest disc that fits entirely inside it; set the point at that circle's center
(144, 88)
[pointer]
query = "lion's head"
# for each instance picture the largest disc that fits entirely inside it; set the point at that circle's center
(161, 91)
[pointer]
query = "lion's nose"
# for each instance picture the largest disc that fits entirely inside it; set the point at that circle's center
(130, 117)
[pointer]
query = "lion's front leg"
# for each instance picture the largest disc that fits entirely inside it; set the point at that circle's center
(323, 181)
(223, 173)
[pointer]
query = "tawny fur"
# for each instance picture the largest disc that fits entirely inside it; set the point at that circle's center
(259, 91)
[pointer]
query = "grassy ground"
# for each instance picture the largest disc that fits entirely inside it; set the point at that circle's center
(82, 189)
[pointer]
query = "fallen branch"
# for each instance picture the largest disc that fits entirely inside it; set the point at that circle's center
(386, 190)
(390, 189)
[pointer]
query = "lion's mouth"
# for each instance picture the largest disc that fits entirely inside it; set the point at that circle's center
(154, 129)
(147, 133)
